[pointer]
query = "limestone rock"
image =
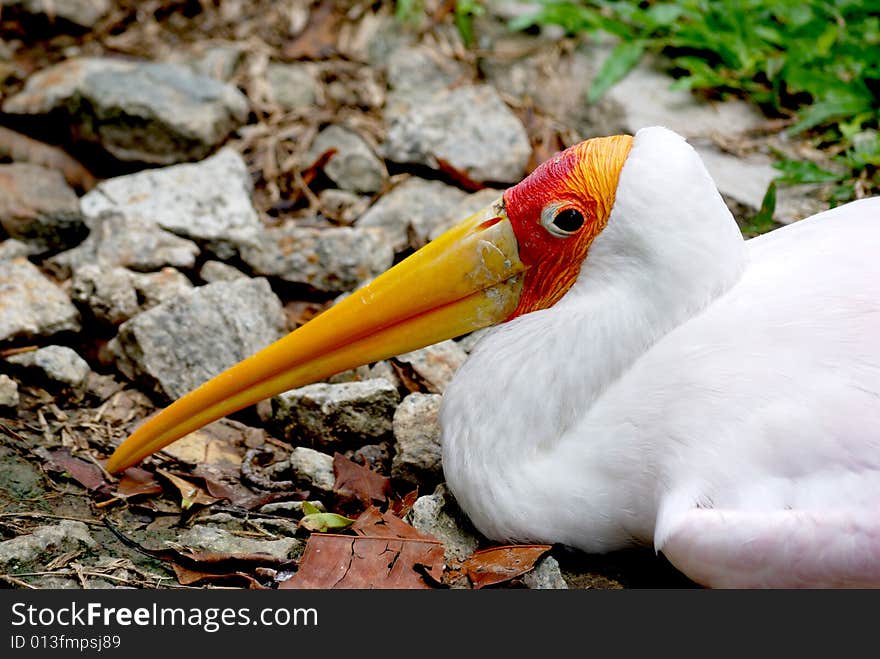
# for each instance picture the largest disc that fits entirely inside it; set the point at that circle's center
(154, 112)
(187, 340)
(30, 305)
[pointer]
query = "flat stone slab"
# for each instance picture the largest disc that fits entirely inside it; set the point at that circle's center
(31, 305)
(154, 112)
(207, 201)
(182, 343)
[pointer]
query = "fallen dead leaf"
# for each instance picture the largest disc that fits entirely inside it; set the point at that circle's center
(499, 564)
(373, 522)
(136, 482)
(358, 481)
(222, 443)
(186, 577)
(401, 507)
(343, 561)
(190, 493)
(85, 473)
(318, 39)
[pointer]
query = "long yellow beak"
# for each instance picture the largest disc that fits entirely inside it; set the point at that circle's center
(468, 278)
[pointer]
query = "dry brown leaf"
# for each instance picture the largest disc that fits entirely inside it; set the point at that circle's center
(135, 482)
(222, 443)
(87, 474)
(344, 561)
(401, 507)
(186, 577)
(190, 493)
(373, 522)
(318, 38)
(358, 481)
(499, 564)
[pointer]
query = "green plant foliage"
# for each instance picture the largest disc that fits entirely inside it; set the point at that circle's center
(816, 62)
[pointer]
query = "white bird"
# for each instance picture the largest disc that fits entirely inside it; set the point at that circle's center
(658, 380)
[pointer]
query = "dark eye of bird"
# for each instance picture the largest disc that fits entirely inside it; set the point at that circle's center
(569, 220)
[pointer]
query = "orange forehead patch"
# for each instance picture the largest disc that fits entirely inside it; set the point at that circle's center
(584, 177)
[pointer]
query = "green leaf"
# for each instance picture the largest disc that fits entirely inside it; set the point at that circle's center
(825, 111)
(621, 61)
(763, 220)
(322, 522)
(308, 508)
(803, 171)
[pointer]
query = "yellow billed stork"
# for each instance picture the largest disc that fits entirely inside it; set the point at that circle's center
(654, 379)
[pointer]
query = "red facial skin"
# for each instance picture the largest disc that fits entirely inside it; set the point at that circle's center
(583, 177)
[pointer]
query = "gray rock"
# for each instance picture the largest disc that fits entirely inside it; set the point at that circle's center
(127, 241)
(546, 576)
(645, 98)
(59, 365)
(435, 365)
(38, 207)
(416, 427)
(107, 291)
(410, 211)
(115, 294)
(8, 392)
(12, 249)
(44, 543)
(379, 37)
(414, 73)
(341, 205)
(218, 62)
(31, 305)
(437, 514)
(337, 416)
(374, 456)
(354, 166)
(153, 112)
(208, 201)
(154, 288)
(469, 205)
(80, 13)
(202, 537)
(293, 86)
(382, 369)
(185, 341)
(312, 468)
(469, 129)
(331, 260)
(536, 74)
(213, 271)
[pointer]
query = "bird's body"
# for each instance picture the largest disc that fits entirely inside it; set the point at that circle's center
(655, 378)
(686, 371)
